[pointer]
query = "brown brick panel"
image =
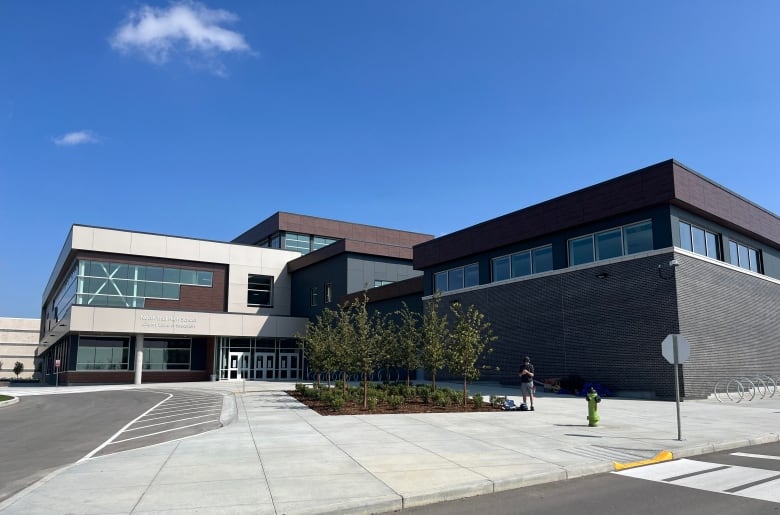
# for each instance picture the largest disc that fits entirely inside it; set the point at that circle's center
(127, 377)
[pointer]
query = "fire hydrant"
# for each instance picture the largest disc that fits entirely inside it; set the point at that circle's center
(593, 409)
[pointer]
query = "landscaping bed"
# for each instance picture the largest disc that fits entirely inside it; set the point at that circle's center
(390, 399)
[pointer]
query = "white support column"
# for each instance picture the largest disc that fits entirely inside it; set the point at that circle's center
(139, 357)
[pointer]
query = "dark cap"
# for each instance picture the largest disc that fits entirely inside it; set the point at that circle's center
(526, 359)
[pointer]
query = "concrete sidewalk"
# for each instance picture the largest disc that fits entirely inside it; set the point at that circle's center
(278, 457)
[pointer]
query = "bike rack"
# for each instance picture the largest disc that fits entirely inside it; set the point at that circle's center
(742, 388)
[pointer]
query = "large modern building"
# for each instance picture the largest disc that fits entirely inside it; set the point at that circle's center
(587, 284)
(590, 283)
(123, 307)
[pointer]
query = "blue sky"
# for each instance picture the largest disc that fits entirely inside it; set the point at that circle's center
(202, 119)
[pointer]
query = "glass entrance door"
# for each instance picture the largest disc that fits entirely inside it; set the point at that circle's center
(238, 365)
(288, 365)
(264, 365)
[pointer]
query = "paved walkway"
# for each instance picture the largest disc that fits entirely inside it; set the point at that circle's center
(276, 456)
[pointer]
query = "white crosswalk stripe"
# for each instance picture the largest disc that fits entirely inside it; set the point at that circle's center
(755, 483)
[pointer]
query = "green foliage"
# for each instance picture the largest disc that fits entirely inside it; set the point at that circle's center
(320, 343)
(300, 388)
(18, 368)
(467, 343)
(336, 402)
(395, 401)
(408, 392)
(478, 400)
(372, 403)
(409, 342)
(424, 393)
(433, 335)
(442, 397)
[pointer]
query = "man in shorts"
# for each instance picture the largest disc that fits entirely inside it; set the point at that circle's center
(527, 381)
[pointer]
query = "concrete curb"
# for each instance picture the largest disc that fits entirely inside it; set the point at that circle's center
(12, 400)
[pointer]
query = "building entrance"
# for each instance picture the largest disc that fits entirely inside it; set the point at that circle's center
(238, 365)
(264, 365)
(288, 365)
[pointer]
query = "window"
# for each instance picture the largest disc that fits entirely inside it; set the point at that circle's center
(313, 296)
(96, 353)
(328, 293)
(260, 290)
(456, 278)
(167, 354)
(319, 241)
(612, 243)
(581, 250)
(298, 242)
(700, 241)
(124, 285)
(522, 263)
(638, 237)
(744, 256)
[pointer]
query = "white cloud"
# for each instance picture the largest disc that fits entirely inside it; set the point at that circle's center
(189, 28)
(76, 138)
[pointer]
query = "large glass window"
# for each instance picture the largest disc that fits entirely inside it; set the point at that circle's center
(125, 285)
(318, 242)
(745, 257)
(612, 243)
(167, 354)
(700, 241)
(456, 278)
(638, 237)
(102, 353)
(260, 290)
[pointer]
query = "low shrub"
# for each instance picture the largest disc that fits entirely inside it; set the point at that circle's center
(478, 400)
(372, 403)
(300, 387)
(441, 397)
(395, 401)
(336, 402)
(497, 401)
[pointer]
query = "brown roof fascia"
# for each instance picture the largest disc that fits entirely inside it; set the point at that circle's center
(350, 246)
(411, 286)
(305, 224)
(708, 199)
(643, 188)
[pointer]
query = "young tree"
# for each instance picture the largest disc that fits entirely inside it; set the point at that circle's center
(408, 341)
(467, 343)
(433, 334)
(343, 352)
(319, 341)
(18, 368)
(369, 344)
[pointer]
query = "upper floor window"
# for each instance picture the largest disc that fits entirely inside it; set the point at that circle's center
(317, 242)
(299, 242)
(700, 241)
(744, 256)
(456, 278)
(522, 263)
(126, 285)
(313, 296)
(328, 293)
(260, 290)
(616, 242)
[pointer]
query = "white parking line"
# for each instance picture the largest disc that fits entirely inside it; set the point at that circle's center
(161, 432)
(760, 456)
(169, 422)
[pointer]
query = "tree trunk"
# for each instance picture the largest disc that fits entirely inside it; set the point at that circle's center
(318, 379)
(344, 385)
(465, 393)
(408, 377)
(365, 390)
(433, 381)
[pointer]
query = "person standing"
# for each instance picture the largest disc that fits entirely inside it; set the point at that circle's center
(527, 381)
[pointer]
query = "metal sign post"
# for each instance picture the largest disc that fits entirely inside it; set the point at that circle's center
(56, 372)
(676, 349)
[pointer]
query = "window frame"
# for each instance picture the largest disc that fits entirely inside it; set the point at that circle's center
(269, 291)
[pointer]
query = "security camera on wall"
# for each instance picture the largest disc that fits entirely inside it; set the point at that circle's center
(673, 263)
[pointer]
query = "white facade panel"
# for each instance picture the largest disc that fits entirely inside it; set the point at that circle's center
(148, 245)
(181, 248)
(118, 242)
(214, 252)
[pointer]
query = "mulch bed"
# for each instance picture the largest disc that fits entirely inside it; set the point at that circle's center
(410, 406)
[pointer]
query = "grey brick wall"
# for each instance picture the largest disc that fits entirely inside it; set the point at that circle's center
(731, 320)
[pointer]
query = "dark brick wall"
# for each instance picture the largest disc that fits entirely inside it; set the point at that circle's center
(605, 330)
(731, 320)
